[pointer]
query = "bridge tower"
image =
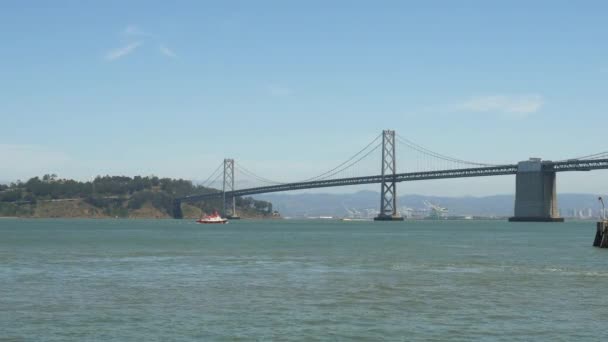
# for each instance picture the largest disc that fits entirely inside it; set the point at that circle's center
(388, 187)
(229, 203)
(535, 193)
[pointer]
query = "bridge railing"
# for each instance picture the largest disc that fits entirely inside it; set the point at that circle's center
(576, 165)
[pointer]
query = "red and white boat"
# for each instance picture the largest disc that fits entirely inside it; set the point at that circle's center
(213, 218)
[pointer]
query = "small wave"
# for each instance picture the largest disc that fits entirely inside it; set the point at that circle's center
(451, 269)
(554, 271)
(144, 258)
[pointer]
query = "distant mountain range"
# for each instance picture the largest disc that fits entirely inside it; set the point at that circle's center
(336, 205)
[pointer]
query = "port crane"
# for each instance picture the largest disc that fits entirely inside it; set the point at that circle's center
(436, 210)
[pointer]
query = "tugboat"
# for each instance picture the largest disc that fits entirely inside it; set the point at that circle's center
(213, 218)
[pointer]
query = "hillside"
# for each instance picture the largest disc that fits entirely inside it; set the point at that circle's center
(112, 196)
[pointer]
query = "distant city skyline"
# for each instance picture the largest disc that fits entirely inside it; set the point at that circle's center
(292, 89)
(579, 206)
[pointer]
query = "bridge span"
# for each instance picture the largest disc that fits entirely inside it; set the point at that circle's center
(535, 191)
(376, 179)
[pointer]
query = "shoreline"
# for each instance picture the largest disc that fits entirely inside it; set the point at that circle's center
(120, 218)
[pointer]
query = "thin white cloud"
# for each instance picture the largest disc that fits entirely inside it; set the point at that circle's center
(278, 90)
(133, 30)
(166, 51)
(133, 37)
(511, 105)
(120, 52)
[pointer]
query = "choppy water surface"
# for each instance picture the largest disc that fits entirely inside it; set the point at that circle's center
(170, 280)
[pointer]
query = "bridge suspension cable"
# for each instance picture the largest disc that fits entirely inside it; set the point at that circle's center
(245, 171)
(215, 180)
(430, 156)
(345, 165)
(331, 172)
(206, 183)
(440, 156)
(600, 155)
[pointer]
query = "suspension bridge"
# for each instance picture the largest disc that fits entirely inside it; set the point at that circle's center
(535, 184)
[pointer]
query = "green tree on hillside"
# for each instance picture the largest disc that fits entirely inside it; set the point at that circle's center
(115, 195)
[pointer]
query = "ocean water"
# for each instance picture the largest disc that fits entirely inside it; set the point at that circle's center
(174, 280)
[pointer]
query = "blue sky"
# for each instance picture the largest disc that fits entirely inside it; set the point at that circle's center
(290, 88)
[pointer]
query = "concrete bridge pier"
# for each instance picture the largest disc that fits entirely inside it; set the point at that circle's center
(177, 209)
(535, 193)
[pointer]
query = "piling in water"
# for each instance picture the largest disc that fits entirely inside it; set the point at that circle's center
(601, 235)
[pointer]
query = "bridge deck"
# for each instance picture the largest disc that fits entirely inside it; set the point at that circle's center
(498, 170)
(401, 177)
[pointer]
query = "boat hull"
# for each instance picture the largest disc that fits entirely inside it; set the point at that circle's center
(212, 222)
